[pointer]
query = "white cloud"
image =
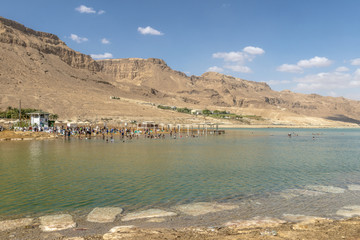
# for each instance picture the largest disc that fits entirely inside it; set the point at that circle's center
(314, 62)
(85, 9)
(105, 41)
(276, 82)
(101, 12)
(342, 69)
(239, 59)
(355, 62)
(231, 56)
(78, 39)
(101, 56)
(149, 31)
(327, 81)
(254, 50)
(215, 69)
(238, 68)
(290, 68)
(306, 63)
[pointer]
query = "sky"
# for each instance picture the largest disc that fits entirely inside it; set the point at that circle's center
(306, 46)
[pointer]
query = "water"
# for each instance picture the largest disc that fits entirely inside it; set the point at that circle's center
(39, 177)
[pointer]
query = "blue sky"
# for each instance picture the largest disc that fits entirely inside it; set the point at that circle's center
(307, 46)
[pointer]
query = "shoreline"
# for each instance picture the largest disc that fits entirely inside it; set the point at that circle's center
(67, 227)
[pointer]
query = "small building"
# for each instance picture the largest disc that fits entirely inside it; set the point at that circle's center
(39, 118)
(196, 112)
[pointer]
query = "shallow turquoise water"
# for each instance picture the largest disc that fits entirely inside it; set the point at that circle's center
(68, 175)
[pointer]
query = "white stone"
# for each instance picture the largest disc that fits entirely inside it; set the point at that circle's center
(354, 187)
(120, 232)
(119, 229)
(326, 189)
(200, 208)
(349, 211)
(12, 224)
(104, 215)
(150, 213)
(255, 223)
(56, 222)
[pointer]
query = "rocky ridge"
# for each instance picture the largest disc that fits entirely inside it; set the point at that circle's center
(45, 73)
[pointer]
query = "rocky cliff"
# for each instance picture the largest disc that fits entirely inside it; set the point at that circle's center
(15, 33)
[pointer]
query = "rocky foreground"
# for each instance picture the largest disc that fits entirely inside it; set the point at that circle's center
(108, 224)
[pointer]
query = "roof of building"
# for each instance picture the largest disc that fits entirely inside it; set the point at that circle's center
(38, 112)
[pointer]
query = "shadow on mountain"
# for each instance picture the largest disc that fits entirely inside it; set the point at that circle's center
(342, 118)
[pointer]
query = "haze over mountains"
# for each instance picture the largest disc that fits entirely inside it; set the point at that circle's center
(44, 73)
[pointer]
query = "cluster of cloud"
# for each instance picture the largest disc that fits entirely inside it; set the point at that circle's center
(338, 79)
(101, 56)
(89, 10)
(306, 63)
(236, 61)
(78, 39)
(149, 31)
(105, 41)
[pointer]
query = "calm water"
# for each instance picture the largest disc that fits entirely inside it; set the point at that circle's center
(49, 176)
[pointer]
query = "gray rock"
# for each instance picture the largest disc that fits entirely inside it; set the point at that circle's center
(56, 222)
(150, 213)
(200, 208)
(104, 215)
(12, 224)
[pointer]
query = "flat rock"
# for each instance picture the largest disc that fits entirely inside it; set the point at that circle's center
(104, 215)
(74, 238)
(354, 187)
(120, 232)
(56, 222)
(156, 220)
(12, 224)
(326, 189)
(349, 211)
(255, 223)
(200, 208)
(150, 213)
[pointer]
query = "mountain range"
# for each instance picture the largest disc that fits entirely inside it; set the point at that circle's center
(44, 73)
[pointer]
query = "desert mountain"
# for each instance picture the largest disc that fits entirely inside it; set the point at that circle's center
(45, 73)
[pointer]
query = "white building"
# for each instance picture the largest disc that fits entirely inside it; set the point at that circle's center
(39, 118)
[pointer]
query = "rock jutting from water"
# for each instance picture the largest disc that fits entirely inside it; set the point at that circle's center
(12, 224)
(201, 208)
(104, 215)
(150, 213)
(56, 222)
(354, 187)
(349, 211)
(326, 189)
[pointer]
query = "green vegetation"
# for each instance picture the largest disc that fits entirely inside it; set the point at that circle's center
(216, 114)
(164, 107)
(183, 110)
(13, 113)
